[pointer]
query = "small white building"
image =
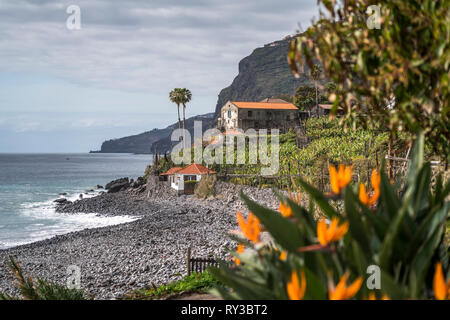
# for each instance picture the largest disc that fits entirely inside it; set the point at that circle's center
(178, 178)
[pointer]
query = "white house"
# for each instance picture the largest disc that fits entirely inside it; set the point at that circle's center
(177, 177)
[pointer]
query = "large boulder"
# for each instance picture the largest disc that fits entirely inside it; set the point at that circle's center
(138, 183)
(118, 185)
(61, 201)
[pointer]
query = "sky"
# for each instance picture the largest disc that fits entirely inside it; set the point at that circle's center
(68, 90)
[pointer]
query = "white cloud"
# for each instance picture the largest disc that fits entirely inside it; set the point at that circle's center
(144, 46)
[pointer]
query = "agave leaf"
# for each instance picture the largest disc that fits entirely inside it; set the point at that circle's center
(305, 218)
(424, 254)
(427, 229)
(393, 289)
(390, 200)
(244, 287)
(357, 227)
(320, 199)
(421, 190)
(416, 162)
(378, 222)
(393, 230)
(282, 230)
(314, 287)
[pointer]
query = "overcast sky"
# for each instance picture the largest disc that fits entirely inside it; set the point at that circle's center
(67, 90)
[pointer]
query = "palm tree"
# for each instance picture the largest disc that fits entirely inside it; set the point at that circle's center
(186, 96)
(175, 97)
(316, 73)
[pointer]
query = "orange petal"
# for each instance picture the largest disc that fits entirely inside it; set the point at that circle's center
(439, 285)
(341, 173)
(339, 292)
(241, 222)
(334, 180)
(332, 229)
(363, 197)
(296, 290)
(372, 296)
(283, 255)
(321, 232)
(347, 176)
(303, 284)
(285, 210)
(375, 179)
(341, 231)
(353, 288)
(293, 289)
(373, 199)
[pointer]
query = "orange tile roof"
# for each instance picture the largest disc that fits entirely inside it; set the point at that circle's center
(232, 132)
(264, 105)
(171, 171)
(194, 169)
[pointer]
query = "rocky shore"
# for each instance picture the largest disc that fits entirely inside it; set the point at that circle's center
(151, 250)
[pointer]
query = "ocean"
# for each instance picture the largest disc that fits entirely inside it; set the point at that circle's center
(29, 183)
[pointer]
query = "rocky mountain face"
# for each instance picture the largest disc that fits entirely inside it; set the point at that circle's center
(263, 74)
(157, 140)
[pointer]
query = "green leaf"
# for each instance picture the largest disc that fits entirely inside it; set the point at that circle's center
(244, 287)
(393, 231)
(320, 199)
(357, 227)
(392, 289)
(282, 230)
(389, 198)
(416, 162)
(315, 289)
(422, 260)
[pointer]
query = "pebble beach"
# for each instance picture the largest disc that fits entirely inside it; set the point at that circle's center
(150, 250)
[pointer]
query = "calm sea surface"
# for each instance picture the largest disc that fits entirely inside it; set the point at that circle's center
(30, 182)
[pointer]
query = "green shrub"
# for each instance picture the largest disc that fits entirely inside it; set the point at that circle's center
(402, 234)
(194, 283)
(205, 187)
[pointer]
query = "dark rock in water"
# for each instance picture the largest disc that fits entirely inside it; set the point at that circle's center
(61, 201)
(138, 183)
(81, 196)
(98, 187)
(63, 194)
(118, 185)
(91, 190)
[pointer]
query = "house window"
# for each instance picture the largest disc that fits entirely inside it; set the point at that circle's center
(250, 114)
(229, 113)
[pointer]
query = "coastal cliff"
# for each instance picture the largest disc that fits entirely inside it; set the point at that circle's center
(264, 73)
(157, 140)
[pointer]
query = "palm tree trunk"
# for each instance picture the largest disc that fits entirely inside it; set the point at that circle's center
(179, 119)
(184, 124)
